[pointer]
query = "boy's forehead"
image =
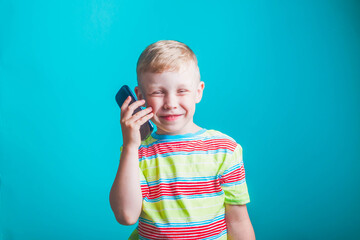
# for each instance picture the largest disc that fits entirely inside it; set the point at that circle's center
(181, 78)
(171, 83)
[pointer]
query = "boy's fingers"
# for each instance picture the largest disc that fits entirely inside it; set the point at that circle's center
(144, 119)
(139, 121)
(136, 104)
(128, 112)
(125, 105)
(139, 115)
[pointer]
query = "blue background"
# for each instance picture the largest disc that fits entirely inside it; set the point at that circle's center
(281, 77)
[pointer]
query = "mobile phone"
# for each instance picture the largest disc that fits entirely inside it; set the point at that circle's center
(145, 129)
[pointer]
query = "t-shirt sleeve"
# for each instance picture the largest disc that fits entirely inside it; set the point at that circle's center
(143, 183)
(232, 179)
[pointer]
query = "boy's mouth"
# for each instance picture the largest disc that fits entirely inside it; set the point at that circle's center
(171, 117)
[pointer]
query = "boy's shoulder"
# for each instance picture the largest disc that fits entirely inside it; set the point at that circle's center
(215, 134)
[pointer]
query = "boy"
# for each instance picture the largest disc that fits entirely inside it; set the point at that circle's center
(183, 181)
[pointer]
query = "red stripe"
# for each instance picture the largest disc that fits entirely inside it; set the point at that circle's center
(144, 190)
(187, 146)
(192, 188)
(198, 232)
(184, 188)
(234, 176)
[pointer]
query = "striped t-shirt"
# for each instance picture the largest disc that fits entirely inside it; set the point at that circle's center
(185, 181)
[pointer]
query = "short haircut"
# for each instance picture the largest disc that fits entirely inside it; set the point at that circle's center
(166, 55)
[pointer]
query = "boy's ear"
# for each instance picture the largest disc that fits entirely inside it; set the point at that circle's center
(138, 93)
(199, 91)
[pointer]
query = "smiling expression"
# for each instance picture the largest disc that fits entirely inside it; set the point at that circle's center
(172, 96)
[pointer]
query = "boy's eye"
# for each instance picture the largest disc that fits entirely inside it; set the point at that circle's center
(161, 92)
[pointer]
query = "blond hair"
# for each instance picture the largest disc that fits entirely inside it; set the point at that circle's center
(166, 55)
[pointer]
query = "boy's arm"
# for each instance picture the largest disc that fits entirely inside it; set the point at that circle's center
(125, 194)
(238, 223)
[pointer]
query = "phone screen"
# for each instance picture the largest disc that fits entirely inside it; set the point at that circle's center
(145, 129)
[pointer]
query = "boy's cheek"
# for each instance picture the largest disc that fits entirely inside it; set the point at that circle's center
(151, 104)
(153, 100)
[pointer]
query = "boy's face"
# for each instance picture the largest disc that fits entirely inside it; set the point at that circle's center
(172, 96)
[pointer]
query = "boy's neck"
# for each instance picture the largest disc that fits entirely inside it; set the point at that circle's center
(195, 128)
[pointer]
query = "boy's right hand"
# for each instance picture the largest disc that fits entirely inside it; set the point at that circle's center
(130, 124)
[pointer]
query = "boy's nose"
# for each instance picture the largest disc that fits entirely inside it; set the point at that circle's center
(170, 102)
